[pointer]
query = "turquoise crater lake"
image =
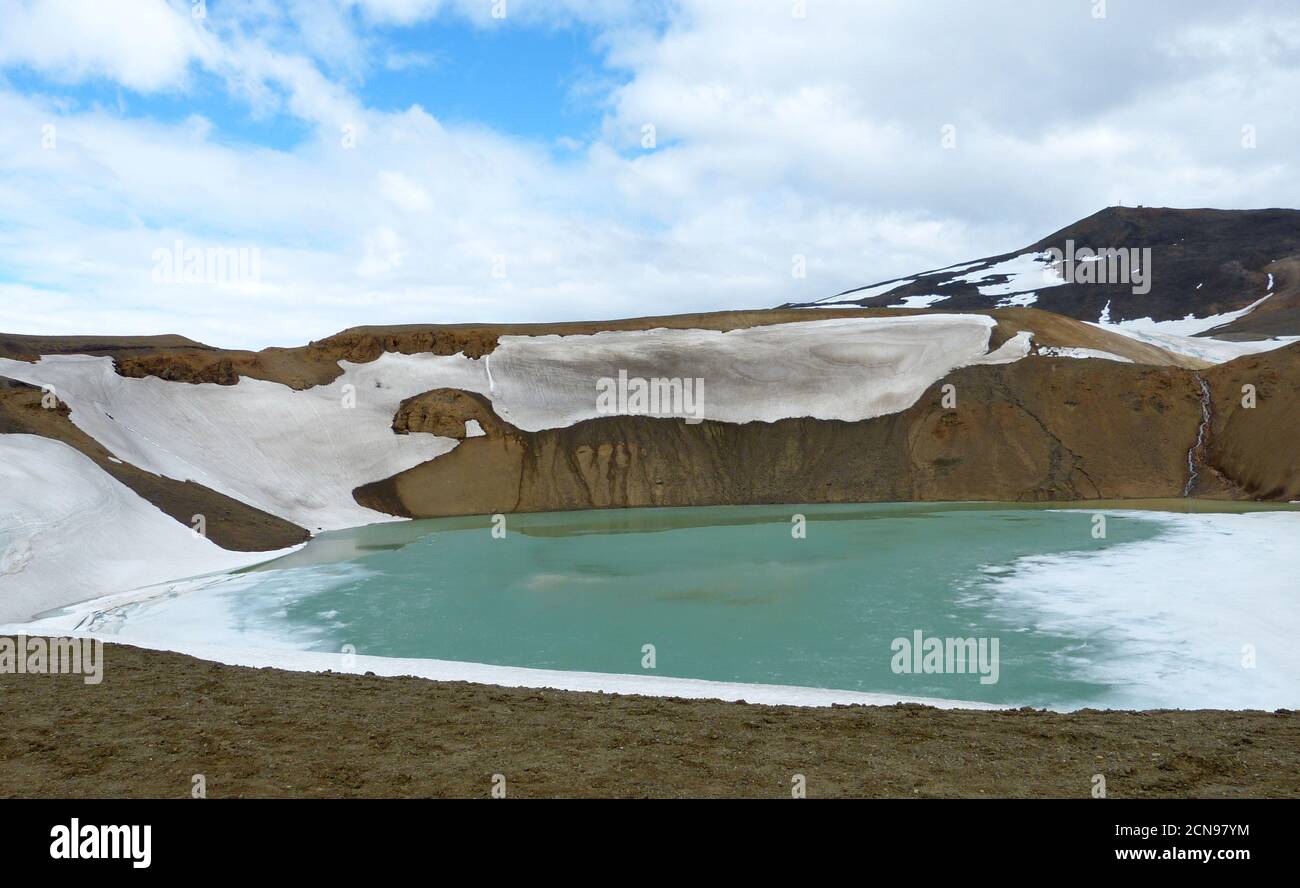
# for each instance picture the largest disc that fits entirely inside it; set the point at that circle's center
(723, 593)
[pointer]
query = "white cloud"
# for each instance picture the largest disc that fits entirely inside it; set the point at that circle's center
(402, 192)
(385, 252)
(776, 136)
(146, 45)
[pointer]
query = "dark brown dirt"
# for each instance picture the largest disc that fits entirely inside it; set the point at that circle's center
(22, 347)
(1277, 315)
(159, 718)
(230, 523)
(1256, 447)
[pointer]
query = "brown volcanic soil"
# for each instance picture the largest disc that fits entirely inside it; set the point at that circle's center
(29, 348)
(1259, 448)
(1034, 430)
(231, 524)
(444, 412)
(159, 718)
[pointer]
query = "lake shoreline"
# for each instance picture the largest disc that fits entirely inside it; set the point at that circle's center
(287, 618)
(159, 718)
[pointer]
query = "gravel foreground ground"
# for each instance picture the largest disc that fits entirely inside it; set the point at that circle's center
(159, 718)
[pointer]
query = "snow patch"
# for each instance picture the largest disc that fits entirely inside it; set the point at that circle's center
(1209, 585)
(1026, 272)
(1179, 336)
(865, 292)
(1204, 348)
(919, 301)
(1013, 349)
(1057, 351)
(1188, 326)
(75, 532)
(295, 454)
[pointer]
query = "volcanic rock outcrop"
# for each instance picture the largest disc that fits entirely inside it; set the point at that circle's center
(1034, 430)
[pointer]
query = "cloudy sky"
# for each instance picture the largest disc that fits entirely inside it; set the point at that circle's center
(406, 161)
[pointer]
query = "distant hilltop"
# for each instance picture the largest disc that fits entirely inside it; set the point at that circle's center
(1200, 263)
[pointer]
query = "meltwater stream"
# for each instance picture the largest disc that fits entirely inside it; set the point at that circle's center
(1158, 613)
(1194, 453)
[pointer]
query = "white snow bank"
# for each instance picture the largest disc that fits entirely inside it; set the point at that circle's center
(1056, 351)
(69, 531)
(295, 454)
(1188, 326)
(1012, 350)
(1026, 272)
(1205, 348)
(1022, 300)
(864, 293)
(1171, 618)
(845, 368)
(1180, 336)
(919, 301)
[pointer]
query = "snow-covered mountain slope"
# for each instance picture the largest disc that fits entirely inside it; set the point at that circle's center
(295, 454)
(1195, 337)
(1204, 348)
(69, 531)
(1238, 268)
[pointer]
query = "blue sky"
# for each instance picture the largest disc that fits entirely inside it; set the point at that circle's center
(531, 82)
(544, 82)
(406, 161)
(206, 96)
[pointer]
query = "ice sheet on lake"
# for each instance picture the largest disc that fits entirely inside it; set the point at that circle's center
(1175, 618)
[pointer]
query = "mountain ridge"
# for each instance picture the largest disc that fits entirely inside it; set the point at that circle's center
(1204, 263)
